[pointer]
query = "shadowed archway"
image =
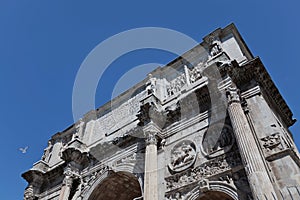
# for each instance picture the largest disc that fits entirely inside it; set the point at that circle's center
(214, 195)
(117, 186)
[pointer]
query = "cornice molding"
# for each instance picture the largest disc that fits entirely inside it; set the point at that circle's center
(255, 70)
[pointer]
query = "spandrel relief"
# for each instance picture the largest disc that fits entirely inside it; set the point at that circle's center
(217, 140)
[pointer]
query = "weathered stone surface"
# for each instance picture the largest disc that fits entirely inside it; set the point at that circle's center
(215, 129)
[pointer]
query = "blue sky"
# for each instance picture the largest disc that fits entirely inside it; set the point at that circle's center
(43, 43)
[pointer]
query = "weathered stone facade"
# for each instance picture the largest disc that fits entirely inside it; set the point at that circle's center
(209, 125)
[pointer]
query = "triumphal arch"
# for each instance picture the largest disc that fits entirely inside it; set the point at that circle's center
(209, 125)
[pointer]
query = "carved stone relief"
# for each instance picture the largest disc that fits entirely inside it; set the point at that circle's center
(175, 85)
(195, 73)
(273, 144)
(217, 140)
(215, 46)
(119, 116)
(88, 180)
(204, 185)
(151, 84)
(176, 196)
(211, 168)
(183, 156)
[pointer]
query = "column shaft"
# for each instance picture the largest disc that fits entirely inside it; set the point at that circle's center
(150, 178)
(66, 188)
(258, 177)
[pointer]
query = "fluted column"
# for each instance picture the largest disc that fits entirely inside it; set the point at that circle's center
(150, 177)
(67, 185)
(258, 177)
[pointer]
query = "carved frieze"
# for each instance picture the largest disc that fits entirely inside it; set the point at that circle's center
(129, 159)
(175, 85)
(118, 116)
(189, 77)
(183, 156)
(195, 73)
(211, 168)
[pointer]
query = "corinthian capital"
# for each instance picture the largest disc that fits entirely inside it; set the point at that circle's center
(233, 95)
(68, 181)
(70, 174)
(151, 138)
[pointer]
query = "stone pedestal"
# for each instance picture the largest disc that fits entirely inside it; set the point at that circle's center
(258, 177)
(150, 179)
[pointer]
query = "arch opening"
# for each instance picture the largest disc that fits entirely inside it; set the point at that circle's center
(214, 195)
(117, 186)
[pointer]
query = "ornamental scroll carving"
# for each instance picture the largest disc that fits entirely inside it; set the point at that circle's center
(183, 156)
(216, 166)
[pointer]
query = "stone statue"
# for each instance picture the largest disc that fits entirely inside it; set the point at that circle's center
(215, 47)
(195, 74)
(47, 151)
(151, 84)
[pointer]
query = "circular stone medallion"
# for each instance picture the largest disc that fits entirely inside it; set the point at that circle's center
(183, 156)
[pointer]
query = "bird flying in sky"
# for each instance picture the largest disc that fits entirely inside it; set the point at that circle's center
(23, 150)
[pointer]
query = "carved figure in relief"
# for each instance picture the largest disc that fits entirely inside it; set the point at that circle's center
(204, 185)
(176, 85)
(183, 155)
(218, 165)
(79, 129)
(215, 47)
(47, 151)
(272, 142)
(176, 196)
(195, 73)
(169, 90)
(151, 84)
